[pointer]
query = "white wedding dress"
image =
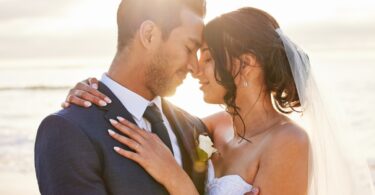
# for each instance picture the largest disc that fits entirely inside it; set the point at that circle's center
(335, 168)
(226, 185)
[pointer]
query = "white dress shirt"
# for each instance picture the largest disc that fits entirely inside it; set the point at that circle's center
(137, 105)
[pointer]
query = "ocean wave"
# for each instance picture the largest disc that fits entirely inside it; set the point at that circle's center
(47, 67)
(34, 88)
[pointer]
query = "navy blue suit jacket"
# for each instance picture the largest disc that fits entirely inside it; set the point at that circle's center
(74, 153)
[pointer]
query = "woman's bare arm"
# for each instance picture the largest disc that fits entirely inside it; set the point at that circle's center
(283, 168)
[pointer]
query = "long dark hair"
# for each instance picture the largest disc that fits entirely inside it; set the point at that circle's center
(250, 30)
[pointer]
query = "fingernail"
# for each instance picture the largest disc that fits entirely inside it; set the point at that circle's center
(87, 104)
(111, 132)
(102, 103)
(113, 121)
(255, 190)
(120, 118)
(95, 86)
(108, 100)
(116, 148)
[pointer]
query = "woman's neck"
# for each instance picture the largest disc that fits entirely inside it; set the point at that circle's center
(258, 115)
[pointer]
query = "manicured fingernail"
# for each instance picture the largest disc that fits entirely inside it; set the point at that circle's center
(255, 190)
(120, 118)
(108, 100)
(116, 149)
(87, 104)
(102, 103)
(113, 121)
(111, 132)
(95, 86)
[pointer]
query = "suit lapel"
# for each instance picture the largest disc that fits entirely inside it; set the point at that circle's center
(186, 132)
(116, 108)
(182, 129)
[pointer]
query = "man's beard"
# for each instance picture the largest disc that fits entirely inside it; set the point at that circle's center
(159, 78)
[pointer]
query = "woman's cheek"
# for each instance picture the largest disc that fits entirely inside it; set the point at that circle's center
(216, 90)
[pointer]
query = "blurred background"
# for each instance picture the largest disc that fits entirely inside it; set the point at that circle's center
(48, 46)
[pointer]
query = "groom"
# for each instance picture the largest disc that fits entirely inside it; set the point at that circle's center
(157, 45)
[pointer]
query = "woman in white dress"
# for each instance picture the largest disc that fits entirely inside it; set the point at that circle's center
(251, 67)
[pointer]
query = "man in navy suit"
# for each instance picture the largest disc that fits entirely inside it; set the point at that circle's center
(157, 45)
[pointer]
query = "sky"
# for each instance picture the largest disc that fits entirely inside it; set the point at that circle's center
(71, 32)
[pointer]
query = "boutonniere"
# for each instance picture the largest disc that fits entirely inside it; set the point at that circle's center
(205, 148)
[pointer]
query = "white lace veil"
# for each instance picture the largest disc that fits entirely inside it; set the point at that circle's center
(334, 170)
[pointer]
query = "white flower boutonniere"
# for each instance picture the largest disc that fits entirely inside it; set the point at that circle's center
(205, 148)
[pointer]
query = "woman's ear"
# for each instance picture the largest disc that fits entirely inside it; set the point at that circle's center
(149, 34)
(249, 61)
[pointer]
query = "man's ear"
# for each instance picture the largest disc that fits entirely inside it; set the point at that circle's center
(149, 33)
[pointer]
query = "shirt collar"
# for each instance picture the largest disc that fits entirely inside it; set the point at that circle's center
(133, 102)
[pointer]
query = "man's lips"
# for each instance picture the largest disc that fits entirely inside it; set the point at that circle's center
(203, 84)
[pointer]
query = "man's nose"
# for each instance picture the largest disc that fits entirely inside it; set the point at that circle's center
(193, 67)
(196, 73)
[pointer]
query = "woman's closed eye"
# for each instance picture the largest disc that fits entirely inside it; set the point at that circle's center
(207, 60)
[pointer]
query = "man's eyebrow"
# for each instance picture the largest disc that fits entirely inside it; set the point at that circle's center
(196, 42)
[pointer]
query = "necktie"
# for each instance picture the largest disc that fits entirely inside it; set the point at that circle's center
(153, 115)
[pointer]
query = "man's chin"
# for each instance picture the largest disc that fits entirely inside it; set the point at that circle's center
(168, 93)
(168, 90)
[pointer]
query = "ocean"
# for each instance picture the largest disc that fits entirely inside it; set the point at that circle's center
(28, 93)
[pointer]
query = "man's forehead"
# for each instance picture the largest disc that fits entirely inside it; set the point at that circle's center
(197, 41)
(193, 22)
(187, 15)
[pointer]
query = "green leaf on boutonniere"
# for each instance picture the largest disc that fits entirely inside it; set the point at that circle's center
(202, 155)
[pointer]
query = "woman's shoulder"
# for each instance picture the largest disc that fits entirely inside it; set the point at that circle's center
(288, 139)
(219, 119)
(220, 127)
(291, 132)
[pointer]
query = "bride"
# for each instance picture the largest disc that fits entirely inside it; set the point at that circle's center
(249, 65)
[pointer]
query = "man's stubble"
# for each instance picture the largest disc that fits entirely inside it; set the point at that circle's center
(159, 76)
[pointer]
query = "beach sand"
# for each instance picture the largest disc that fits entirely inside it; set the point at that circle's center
(13, 183)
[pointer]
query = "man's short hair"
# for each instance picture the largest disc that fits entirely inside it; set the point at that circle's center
(165, 13)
